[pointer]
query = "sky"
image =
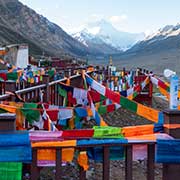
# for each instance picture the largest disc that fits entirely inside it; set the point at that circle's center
(125, 15)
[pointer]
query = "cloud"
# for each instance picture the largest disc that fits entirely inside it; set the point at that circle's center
(118, 19)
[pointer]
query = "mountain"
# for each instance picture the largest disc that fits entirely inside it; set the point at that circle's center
(20, 24)
(165, 39)
(158, 51)
(94, 43)
(103, 32)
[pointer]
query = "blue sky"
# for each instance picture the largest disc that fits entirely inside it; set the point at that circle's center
(126, 15)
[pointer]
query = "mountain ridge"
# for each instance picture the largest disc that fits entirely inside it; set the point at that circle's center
(32, 27)
(157, 52)
(164, 39)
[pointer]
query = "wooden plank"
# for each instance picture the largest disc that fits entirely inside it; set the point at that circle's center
(106, 163)
(150, 161)
(58, 174)
(128, 163)
(34, 168)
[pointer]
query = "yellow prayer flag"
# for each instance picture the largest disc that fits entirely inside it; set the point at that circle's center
(148, 113)
(103, 123)
(50, 154)
(11, 109)
(83, 160)
(54, 143)
(71, 123)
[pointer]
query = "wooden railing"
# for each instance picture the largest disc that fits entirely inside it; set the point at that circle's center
(106, 160)
(32, 94)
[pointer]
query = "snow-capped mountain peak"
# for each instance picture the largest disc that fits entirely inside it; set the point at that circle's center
(163, 33)
(104, 32)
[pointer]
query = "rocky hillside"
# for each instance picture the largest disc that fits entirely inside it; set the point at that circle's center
(18, 23)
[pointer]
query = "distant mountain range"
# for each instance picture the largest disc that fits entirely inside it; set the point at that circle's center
(158, 51)
(102, 34)
(20, 24)
(164, 39)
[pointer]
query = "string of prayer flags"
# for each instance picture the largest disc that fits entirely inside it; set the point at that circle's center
(144, 111)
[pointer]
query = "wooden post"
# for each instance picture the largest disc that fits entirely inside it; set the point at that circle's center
(56, 94)
(2, 88)
(7, 122)
(58, 174)
(77, 81)
(34, 168)
(106, 163)
(10, 86)
(47, 92)
(150, 161)
(128, 162)
(171, 117)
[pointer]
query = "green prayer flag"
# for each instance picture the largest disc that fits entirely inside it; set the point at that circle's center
(62, 92)
(101, 102)
(77, 122)
(30, 105)
(107, 132)
(30, 114)
(85, 84)
(102, 109)
(12, 76)
(51, 73)
(102, 97)
(128, 104)
(11, 170)
(135, 94)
